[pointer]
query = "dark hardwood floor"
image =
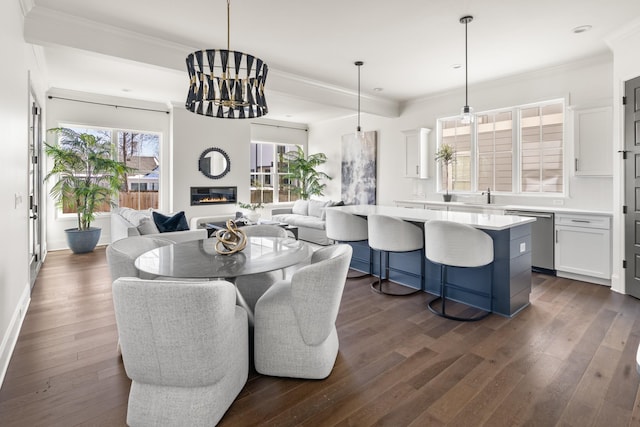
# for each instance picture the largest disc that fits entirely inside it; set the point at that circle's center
(567, 360)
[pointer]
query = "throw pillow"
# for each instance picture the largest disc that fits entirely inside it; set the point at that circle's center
(147, 227)
(300, 207)
(177, 222)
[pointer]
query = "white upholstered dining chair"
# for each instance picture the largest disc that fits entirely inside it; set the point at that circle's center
(185, 348)
(295, 333)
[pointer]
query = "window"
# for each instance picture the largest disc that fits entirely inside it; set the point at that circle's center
(495, 151)
(269, 168)
(519, 149)
(458, 135)
(541, 130)
(141, 152)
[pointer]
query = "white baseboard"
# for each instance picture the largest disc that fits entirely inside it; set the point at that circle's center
(11, 337)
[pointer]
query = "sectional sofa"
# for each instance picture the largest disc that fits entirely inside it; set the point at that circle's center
(309, 217)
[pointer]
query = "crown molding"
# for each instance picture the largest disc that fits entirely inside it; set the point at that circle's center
(26, 6)
(623, 33)
(48, 27)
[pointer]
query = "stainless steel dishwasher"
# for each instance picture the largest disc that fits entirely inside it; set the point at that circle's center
(542, 240)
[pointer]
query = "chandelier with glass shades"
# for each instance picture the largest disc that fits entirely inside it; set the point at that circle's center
(226, 84)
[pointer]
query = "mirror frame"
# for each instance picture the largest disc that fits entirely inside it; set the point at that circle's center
(217, 150)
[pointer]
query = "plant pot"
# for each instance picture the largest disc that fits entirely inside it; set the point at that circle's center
(82, 241)
(447, 197)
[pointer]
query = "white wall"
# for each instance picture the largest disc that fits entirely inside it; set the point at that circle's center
(14, 121)
(61, 111)
(584, 82)
(192, 134)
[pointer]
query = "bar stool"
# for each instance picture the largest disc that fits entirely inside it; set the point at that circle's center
(451, 244)
(345, 227)
(389, 234)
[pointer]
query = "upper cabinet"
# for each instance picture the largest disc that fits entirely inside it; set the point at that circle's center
(416, 144)
(593, 135)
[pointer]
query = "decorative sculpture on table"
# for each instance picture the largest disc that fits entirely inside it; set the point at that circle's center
(230, 240)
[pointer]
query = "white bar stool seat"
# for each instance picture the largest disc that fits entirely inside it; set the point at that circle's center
(456, 245)
(389, 234)
(345, 227)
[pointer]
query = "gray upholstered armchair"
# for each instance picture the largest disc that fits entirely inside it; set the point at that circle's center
(122, 254)
(185, 348)
(295, 333)
(252, 286)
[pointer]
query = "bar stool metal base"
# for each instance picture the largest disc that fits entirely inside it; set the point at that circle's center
(378, 286)
(443, 298)
(357, 276)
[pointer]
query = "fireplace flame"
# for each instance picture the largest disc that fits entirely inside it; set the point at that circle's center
(222, 199)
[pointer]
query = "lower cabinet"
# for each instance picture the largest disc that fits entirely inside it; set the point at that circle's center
(583, 247)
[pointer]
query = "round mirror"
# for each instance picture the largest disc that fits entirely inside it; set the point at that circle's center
(214, 163)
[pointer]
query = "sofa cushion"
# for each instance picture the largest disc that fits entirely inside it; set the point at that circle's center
(300, 207)
(135, 217)
(177, 222)
(300, 220)
(147, 226)
(316, 208)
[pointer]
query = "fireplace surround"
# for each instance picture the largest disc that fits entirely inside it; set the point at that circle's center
(213, 195)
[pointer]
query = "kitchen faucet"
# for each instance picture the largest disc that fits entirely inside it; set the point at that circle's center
(488, 193)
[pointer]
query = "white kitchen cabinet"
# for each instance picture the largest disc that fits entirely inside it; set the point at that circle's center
(593, 147)
(416, 144)
(583, 247)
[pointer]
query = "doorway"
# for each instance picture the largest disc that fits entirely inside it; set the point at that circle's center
(35, 188)
(632, 186)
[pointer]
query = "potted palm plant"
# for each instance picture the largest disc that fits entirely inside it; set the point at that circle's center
(445, 155)
(88, 178)
(302, 171)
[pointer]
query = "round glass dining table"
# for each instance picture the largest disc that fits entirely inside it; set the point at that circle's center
(199, 259)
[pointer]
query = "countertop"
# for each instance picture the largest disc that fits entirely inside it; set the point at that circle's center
(554, 209)
(487, 221)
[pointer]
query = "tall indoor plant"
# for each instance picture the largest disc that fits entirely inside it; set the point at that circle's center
(445, 155)
(302, 170)
(88, 178)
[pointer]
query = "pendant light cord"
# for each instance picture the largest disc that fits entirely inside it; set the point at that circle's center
(358, 64)
(228, 24)
(465, 20)
(466, 66)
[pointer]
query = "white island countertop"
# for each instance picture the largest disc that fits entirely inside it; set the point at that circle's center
(487, 221)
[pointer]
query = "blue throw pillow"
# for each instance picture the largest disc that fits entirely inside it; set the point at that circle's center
(178, 222)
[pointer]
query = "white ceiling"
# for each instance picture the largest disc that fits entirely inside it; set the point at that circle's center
(137, 48)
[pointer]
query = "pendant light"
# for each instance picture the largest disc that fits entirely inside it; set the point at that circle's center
(466, 112)
(359, 133)
(226, 84)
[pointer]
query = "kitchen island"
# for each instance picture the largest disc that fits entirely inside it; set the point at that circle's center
(508, 279)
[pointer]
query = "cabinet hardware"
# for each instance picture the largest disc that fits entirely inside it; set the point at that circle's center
(581, 220)
(576, 165)
(556, 236)
(417, 172)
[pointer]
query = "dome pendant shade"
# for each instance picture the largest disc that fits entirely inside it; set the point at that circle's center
(226, 84)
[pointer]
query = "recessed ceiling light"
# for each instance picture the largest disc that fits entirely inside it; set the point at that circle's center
(456, 66)
(581, 29)
(378, 89)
